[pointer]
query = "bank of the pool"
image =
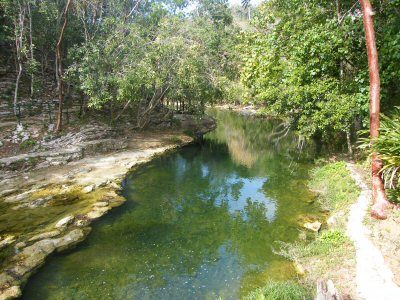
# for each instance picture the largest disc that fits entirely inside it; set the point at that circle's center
(78, 194)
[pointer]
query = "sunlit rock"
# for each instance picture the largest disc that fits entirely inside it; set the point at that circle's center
(64, 222)
(313, 226)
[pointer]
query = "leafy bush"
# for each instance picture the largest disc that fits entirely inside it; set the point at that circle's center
(285, 290)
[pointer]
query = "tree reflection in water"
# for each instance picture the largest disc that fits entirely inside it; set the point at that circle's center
(199, 223)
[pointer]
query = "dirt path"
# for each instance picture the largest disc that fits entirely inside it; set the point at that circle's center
(374, 278)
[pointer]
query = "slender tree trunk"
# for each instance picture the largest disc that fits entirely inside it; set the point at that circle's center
(349, 145)
(379, 199)
(59, 69)
(31, 47)
(19, 38)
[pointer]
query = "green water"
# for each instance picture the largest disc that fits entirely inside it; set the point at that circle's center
(198, 224)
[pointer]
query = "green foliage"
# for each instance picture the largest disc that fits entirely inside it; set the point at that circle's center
(27, 144)
(176, 58)
(277, 290)
(335, 187)
(388, 147)
(306, 64)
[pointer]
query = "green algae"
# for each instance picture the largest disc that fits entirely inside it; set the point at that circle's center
(23, 220)
(200, 223)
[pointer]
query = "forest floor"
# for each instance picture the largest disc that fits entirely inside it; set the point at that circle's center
(50, 209)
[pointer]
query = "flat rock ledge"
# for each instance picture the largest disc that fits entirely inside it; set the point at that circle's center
(100, 174)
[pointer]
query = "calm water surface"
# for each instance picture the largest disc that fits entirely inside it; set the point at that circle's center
(200, 223)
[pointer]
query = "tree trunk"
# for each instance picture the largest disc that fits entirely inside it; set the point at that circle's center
(349, 145)
(31, 47)
(19, 37)
(379, 199)
(59, 69)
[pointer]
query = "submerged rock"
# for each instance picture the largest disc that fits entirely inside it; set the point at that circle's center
(313, 226)
(64, 222)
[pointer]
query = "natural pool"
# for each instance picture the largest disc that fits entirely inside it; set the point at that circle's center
(199, 223)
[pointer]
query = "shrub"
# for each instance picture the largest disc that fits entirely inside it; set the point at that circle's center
(388, 146)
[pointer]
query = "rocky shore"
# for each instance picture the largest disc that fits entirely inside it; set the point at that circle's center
(48, 206)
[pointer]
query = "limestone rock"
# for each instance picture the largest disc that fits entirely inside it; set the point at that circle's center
(101, 204)
(97, 212)
(64, 222)
(313, 226)
(7, 241)
(44, 235)
(70, 239)
(32, 257)
(114, 185)
(6, 280)
(10, 293)
(6, 193)
(82, 222)
(88, 189)
(19, 246)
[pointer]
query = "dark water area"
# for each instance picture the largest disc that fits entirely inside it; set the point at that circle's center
(200, 223)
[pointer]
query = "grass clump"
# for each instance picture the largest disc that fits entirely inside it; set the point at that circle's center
(324, 244)
(27, 144)
(280, 290)
(335, 187)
